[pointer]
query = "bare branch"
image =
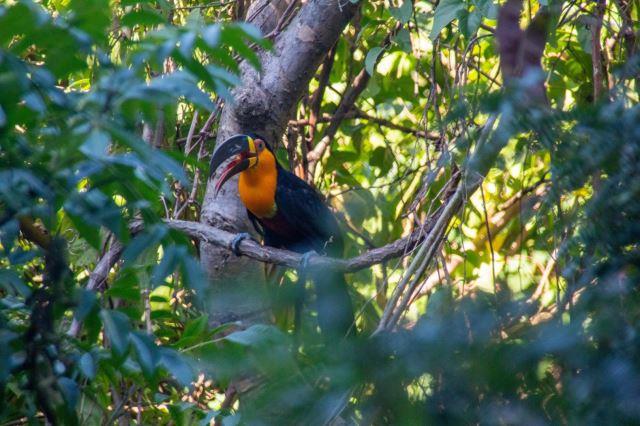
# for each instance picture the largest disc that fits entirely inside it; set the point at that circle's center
(316, 99)
(596, 49)
(97, 277)
(256, 251)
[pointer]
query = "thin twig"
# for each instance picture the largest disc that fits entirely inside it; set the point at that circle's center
(97, 277)
(356, 113)
(596, 49)
(489, 239)
(360, 83)
(316, 98)
(205, 6)
(284, 20)
(411, 278)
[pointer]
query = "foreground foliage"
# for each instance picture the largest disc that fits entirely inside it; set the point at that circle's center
(530, 314)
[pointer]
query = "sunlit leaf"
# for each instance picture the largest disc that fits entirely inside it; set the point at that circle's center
(371, 59)
(446, 12)
(404, 12)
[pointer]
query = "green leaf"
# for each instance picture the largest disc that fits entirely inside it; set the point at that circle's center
(445, 13)
(195, 331)
(90, 233)
(196, 327)
(487, 8)
(147, 353)
(12, 283)
(584, 33)
(194, 277)
(92, 209)
(176, 365)
(96, 145)
(126, 287)
(116, 328)
(404, 12)
(236, 419)
(87, 302)
(211, 35)
(170, 260)
(92, 16)
(195, 19)
(470, 22)
(69, 390)
(87, 366)
(403, 39)
(142, 17)
(250, 30)
(124, 3)
(257, 335)
(150, 237)
(439, 303)
(372, 59)
(382, 158)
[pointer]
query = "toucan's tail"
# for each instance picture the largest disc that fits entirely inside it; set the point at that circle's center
(333, 304)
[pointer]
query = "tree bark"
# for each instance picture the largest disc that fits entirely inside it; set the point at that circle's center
(264, 103)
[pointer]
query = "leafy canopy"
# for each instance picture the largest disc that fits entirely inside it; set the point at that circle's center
(527, 313)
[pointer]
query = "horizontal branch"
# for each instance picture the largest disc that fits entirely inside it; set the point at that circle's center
(254, 250)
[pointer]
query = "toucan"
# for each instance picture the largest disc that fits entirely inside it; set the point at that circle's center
(291, 215)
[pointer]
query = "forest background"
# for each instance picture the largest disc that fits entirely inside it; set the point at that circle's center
(482, 158)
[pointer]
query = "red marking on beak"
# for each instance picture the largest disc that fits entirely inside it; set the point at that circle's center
(235, 166)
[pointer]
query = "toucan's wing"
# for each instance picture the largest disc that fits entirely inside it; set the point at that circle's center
(307, 214)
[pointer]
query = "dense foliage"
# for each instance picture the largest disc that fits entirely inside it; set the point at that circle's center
(528, 313)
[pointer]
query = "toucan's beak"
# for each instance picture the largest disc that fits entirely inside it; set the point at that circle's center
(239, 146)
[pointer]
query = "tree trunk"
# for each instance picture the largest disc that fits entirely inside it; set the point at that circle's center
(265, 102)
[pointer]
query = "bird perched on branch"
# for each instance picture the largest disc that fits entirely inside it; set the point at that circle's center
(291, 215)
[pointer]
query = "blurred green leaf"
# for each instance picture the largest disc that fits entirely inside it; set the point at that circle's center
(87, 366)
(147, 353)
(256, 336)
(404, 12)
(175, 364)
(371, 59)
(142, 16)
(117, 330)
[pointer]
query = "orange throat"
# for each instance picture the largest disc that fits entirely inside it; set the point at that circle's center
(257, 186)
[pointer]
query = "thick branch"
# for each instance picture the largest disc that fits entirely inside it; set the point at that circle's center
(264, 103)
(266, 100)
(249, 248)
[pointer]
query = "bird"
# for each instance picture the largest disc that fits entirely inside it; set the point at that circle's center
(289, 214)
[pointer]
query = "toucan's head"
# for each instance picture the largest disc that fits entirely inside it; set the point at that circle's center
(245, 152)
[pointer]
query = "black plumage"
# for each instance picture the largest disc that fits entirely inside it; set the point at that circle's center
(304, 223)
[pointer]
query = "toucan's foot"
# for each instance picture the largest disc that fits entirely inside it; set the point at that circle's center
(235, 243)
(304, 261)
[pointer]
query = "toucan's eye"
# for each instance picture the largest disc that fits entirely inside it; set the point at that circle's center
(260, 144)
